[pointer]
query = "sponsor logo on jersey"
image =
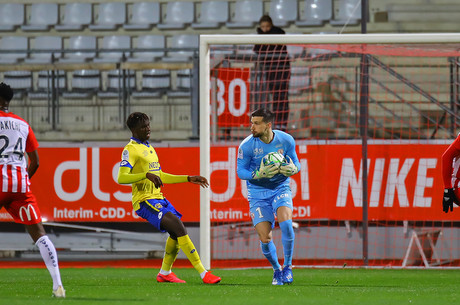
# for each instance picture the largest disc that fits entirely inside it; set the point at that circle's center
(28, 209)
(258, 151)
(125, 155)
(158, 205)
(154, 165)
(124, 163)
(240, 153)
(160, 215)
(281, 151)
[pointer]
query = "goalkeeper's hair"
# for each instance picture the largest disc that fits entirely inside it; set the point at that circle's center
(135, 118)
(266, 114)
(6, 93)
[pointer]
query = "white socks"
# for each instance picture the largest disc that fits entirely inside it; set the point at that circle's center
(164, 272)
(49, 255)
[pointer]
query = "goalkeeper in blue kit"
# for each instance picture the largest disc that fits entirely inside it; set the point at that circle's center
(269, 193)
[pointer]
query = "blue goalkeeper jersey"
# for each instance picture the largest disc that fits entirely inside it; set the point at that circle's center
(252, 150)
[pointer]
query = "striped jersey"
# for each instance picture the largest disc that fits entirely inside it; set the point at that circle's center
(16, 139)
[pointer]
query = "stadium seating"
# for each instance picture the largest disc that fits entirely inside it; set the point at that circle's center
(247, 13)
(315, 13)
(11, 16)
(13, 43)
(42, 17)
(76, 44)
(182, 41)
(45, 44)
(83, 83)
(212, 15)
(114, 42)
(148, 42)
(18, 80)
(178, 15)
(154, 83)
(349, 13)
(118, 80)
(143, 16)
(283, 12)
(45, 84)
(76, 16)
(110, 16)
(183, 84)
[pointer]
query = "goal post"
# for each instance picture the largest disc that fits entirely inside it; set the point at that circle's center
(311, 130)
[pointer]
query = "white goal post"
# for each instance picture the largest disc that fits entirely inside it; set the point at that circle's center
(204, 76)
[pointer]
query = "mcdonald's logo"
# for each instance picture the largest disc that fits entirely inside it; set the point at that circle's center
(27, 209)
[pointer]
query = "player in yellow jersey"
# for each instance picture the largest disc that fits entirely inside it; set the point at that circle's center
(141, 168)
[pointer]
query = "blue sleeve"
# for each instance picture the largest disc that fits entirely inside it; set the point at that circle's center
(243, 164)
(291, 152)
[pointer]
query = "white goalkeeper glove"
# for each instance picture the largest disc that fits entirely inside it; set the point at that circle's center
(265, 171)
(288, 169)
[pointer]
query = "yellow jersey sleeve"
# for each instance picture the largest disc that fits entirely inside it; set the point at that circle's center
(170, 178)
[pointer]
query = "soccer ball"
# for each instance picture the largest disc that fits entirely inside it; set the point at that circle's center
(273, 158)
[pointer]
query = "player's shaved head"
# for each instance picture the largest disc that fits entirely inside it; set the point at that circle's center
(266, 114)
(135, 119)
(6, 93)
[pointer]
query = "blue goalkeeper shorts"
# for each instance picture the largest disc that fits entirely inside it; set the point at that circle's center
(263, 204)
(153, 211)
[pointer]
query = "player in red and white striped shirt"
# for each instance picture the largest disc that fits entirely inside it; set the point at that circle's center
(451, 175)
(16, 140)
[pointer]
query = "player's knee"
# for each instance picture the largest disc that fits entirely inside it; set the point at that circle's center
(265, 238)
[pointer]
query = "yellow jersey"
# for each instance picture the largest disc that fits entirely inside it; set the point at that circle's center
(141, 158)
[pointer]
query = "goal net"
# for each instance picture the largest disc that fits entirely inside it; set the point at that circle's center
(389, 99)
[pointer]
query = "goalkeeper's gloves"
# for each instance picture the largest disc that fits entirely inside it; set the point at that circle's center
(448, 200)
(288, 169)
(265, 171)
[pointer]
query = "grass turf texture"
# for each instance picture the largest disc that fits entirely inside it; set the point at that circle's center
(252, 286)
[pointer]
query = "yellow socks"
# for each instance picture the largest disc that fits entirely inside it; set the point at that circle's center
(186, 244)
(171, 250)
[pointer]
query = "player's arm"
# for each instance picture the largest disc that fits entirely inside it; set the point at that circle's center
(447, 159)
(170, 178)
(292, 165)
(244, 171)
(125, 176)
(33, 162)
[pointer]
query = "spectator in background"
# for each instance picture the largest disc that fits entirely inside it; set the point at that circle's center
(274, 60)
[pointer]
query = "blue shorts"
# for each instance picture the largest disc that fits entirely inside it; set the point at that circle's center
(264, 204)
(153, 211)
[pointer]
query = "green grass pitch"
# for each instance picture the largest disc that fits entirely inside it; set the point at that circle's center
(242, 287)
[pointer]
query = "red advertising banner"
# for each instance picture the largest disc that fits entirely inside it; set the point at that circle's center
(78, 184)
(232, 96)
